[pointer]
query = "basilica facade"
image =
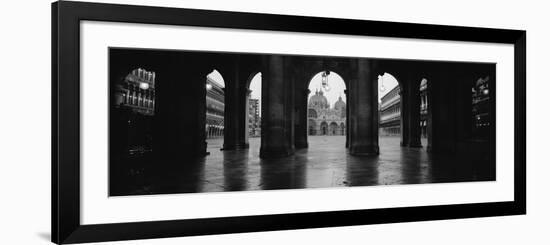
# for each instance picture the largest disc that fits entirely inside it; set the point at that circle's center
(324, 119)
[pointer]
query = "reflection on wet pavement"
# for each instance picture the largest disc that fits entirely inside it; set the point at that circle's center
(325, 163)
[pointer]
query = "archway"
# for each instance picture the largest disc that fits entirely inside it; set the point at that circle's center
(312, 127)
(333, 128)
(323, 128)
(254, 110)
(327, 107)
(389, 107)
(215, 109)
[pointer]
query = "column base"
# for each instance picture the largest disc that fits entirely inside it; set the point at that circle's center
(230, 147)
(364, 150)
(201, 150)
(415, 145)
(301, 145)
(275, 153)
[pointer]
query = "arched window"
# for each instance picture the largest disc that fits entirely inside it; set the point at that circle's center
(312, 113)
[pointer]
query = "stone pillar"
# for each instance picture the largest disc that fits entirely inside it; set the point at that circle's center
(230, 140)
(277, 111)
(235, 110)
(429, 117)
(404, 103)
(200, 135)
(442, 110)
(301, 122)
(347, 117)
(364, 110)
(180, 113)
(414, 111)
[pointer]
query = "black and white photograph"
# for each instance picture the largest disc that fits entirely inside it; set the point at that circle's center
(274, 122)
(204, 121)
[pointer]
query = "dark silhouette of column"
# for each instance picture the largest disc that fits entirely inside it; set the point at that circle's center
(364, 110)
(179, 130)
(442, 109)
(464, 84)
(231, 115)
(236, 111)
(301, 123)
(429, 120)
(414, 111)
(347, 118)
(277, 111)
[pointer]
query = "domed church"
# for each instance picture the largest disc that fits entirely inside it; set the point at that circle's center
(324, 120)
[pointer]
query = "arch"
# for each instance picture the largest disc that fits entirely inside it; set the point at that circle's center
(215, 104)
(312, 127)
(390, 102)
(333, 127)
(311, 113)
(386, 82)
(320, 102)
(215, 75)
(337, 86)
(310, 68)
(253, 78)
(323, 127)
(254, 104)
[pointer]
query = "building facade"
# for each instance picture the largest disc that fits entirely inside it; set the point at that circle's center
(390, 111)
(132, 112)
(481, 108)
(254, 121)
(324, 120)
(215, 108)
(136, 92)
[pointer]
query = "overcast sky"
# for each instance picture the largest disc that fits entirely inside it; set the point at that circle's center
(336, 83)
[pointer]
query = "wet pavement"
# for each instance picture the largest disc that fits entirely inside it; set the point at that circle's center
(325, 163)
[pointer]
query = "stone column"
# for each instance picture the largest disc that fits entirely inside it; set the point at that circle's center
(235, 110)
(429, 120)
(301, 122)
(277, 111)
(404, 102)
(347, 117)
(180, 112)
(230, 140)
(442, 110)
(364, 110)
(414, 111)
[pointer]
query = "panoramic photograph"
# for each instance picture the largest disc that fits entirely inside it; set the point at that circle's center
(200, 121)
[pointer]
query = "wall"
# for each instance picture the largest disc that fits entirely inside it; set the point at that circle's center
(25, 124)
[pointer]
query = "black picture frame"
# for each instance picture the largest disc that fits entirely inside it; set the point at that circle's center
(66, 17)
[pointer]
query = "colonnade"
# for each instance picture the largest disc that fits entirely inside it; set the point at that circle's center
(180, 93)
